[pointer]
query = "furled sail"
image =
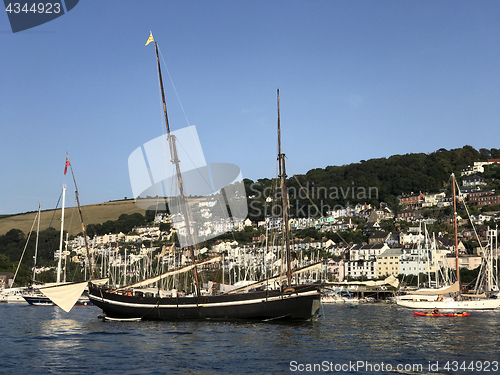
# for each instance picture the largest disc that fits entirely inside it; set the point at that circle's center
(439, 291)
(275, 279)
(391, 280)
(154, 279)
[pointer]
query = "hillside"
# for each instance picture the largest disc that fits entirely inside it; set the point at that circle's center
(92, 214)
(371, 181)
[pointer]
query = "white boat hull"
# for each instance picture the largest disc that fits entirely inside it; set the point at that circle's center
(481, 304)
(15, 298)
(338, 299)
(12, 295)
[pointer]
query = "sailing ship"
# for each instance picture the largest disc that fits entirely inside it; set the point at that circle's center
(268, 300)
(450, 298)
(34, 296)
(65, 295)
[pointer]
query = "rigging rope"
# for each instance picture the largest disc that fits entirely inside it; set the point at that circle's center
(314, 204)
(25, 246)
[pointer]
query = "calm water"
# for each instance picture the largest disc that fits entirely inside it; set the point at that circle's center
(46, 340)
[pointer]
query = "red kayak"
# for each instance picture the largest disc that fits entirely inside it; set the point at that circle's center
(440, 314)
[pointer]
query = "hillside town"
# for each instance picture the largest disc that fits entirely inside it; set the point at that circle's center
(409, 249)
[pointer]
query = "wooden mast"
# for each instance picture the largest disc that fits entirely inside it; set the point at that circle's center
(87, 251)
(282, 176)
(176, 162)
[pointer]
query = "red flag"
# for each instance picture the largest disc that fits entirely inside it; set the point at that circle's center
(67, 164)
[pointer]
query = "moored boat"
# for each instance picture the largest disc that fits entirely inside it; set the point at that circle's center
(13, 295)
(297, 303)
(451, 298)
(37, 298)
(266, 300)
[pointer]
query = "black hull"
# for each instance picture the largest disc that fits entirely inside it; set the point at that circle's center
(300, 304)
(38, 301)
(45, 301)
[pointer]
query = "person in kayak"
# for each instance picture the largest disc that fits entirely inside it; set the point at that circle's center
(436, 310)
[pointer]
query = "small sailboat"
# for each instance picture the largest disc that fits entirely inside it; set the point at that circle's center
(65, 295)
(268, 300)
(16, 294)
(450, 298)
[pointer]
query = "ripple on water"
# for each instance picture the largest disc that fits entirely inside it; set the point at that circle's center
(59, 343)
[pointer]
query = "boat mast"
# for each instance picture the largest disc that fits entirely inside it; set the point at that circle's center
(62, 236)
(36, 243)
(455, 227)
(176, 162)
(81, 220)
(282, 176)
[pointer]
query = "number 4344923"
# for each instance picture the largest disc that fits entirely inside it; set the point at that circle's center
(480, 366)
(40, 7)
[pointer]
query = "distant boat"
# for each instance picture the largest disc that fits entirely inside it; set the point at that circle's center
(12, 295)
(37, 298)
(65, 295)
(16, 294)
(34, 296)
(450, 298)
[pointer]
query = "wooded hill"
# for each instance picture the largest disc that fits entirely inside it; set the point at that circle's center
(371, 181)
(374, 181)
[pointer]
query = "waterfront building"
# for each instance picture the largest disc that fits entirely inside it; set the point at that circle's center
(388, 262)
(363, 259)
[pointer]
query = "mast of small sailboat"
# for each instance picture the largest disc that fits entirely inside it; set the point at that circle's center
(62, 236)
(36, 243)
(176, 162)
(284, 195)
(455, 227)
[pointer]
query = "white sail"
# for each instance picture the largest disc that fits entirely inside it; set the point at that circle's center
(391, 280)
(439, 291)
(64, 295)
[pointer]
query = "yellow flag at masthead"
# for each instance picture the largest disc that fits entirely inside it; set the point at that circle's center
(150, 38)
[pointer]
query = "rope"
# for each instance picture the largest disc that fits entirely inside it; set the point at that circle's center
(25, 246)
(314, 204)
(175, 90)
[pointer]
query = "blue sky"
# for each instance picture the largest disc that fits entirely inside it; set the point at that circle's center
(358, 80)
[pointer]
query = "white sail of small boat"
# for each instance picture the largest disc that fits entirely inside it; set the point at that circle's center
(65, 295)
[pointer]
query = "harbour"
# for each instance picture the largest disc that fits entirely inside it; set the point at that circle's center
(370, 339)
(350, 227)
